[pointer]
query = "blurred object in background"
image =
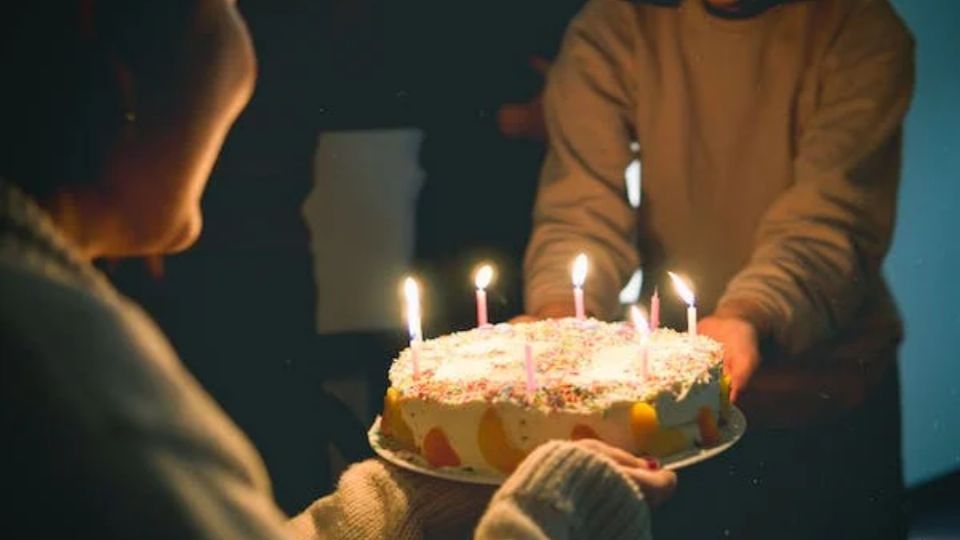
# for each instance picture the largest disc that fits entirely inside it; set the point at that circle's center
(361, 220)
(361, 215)
(483, 147)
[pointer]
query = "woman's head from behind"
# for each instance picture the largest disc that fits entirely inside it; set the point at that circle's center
(112, 113)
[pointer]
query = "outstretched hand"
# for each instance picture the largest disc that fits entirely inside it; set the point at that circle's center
(657, 485)
(741, 352)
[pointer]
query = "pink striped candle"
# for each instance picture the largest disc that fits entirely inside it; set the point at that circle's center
(528, 365)
(415, 358)
(482, 279)
(642, 329)
(655, 310)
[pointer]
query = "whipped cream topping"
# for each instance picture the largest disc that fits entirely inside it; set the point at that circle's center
(578, 365)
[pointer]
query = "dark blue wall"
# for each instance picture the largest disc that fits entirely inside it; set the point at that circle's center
(924, 265)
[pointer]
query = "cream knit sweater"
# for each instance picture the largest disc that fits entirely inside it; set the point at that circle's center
(107, 435)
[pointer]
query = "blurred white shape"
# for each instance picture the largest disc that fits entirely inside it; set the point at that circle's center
(631, 292)
(640, 323)
(411, 295)
(632, 177)
(361, 220)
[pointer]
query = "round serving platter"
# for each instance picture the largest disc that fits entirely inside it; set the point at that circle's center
(385, 447)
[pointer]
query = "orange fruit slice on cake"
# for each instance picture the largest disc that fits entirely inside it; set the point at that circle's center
(709, 431)
(650, 436)
(493, 443)
(392, 424)
(437, 449)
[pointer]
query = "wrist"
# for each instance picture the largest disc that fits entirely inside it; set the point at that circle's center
(555, 310)
(561, 481)
(749, 312)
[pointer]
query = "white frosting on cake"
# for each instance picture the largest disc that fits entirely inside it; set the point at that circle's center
(589, 375)
(600, 361)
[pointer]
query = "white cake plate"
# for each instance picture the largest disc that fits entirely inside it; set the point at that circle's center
(389, 450)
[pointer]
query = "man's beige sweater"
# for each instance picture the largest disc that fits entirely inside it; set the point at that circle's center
(770, 152)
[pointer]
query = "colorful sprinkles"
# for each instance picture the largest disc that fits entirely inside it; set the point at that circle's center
(486, 364)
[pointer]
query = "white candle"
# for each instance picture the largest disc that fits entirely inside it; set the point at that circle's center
(529, 368)
(411, 292)
(482, 279)
(642, 329)
(579, 276)
(686, 293)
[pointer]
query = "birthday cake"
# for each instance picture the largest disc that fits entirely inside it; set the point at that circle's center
(484, 398)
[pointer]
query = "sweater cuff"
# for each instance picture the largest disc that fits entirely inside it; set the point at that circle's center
(586, 490)
(750, 311)
(562, 305)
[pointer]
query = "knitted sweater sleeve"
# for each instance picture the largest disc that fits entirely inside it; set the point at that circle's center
(820, 246)
(563, 492)
(581, 203)
(560, 491)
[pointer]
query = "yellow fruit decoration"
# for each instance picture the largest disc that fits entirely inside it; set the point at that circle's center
(493, 443)
(437, 449)
(392, 424)
(725, 395)
(651, 438)
(709, 432)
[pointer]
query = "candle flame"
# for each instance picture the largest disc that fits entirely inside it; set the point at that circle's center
(683, 289)
(411, 292)
(483, 276)
(640, 323)
(579, 270)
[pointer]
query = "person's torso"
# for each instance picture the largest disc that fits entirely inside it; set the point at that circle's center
(91, 387)
(718, 106)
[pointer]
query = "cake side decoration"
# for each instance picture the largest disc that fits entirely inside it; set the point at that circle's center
(469, 402)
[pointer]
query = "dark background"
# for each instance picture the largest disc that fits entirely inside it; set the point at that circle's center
(240, 305)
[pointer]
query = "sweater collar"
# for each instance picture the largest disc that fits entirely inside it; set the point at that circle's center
(744, 9)
(29, 237)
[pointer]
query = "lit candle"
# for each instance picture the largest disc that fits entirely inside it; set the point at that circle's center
(686, 293)
(482, 279)
(579, 275)
(642, 329)
(411, 292)
(640, 325)
(528, 367)
(655, 309)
